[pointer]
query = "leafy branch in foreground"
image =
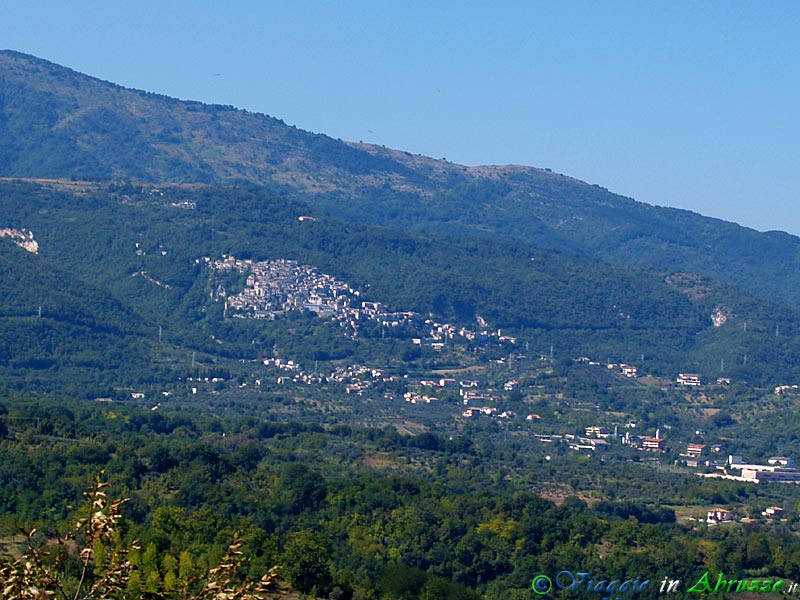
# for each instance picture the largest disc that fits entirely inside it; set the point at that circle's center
(104, 567)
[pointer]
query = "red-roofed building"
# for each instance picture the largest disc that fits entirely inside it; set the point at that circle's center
(695, 450)
(653, 444)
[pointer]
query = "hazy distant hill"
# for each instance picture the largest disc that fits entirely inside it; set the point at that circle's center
(55, 122)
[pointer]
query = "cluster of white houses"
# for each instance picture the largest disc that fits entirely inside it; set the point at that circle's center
(643, 442)
(440, 333)
(415, 398)
(778, 469)
(276, 286)
(690, 379)
(623, 369)
(694, 380)
(489, 411)
(715, 516)
(279, 285)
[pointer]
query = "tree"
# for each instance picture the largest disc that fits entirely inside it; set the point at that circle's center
(308, 563)
(302, 488)
(104, 570)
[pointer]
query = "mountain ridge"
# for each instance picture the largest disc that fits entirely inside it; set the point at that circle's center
(57, 122)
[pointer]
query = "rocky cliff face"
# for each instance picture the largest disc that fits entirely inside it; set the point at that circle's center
(22, 238)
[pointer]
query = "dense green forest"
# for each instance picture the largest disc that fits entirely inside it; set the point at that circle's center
(551, 211)
(361, 513)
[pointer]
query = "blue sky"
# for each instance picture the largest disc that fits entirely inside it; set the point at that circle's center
(688, 104)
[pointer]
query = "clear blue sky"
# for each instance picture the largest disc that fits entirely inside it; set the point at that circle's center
(688, 104)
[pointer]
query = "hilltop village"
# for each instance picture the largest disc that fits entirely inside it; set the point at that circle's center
(275, 287)
(502, 394)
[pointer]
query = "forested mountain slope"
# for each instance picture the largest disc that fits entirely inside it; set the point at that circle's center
(61, 332)
(133, 261)
(56, 122)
